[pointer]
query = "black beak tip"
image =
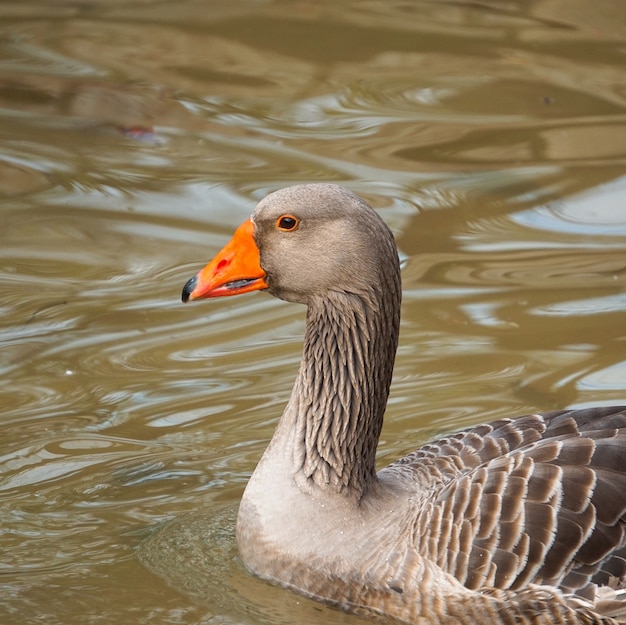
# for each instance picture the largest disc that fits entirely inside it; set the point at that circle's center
(190, 285)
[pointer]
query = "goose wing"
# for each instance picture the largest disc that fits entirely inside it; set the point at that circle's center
(538, 499)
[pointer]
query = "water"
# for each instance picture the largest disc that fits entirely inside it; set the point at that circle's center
(137, 135)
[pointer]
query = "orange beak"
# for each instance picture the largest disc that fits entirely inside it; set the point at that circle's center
(236, 269)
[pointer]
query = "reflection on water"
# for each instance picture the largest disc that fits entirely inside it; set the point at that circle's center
(137, 135)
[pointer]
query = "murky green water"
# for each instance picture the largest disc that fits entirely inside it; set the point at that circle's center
(135, 136)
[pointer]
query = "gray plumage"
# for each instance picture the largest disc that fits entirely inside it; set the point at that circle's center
(515, 521)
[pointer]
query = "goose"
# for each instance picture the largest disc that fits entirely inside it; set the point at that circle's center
(519, 520)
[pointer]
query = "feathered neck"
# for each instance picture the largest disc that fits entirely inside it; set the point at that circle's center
(341, 391)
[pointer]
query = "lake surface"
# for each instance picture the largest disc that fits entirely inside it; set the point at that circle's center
(136, 135)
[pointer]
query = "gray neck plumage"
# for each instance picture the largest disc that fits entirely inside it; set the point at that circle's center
(340, 394)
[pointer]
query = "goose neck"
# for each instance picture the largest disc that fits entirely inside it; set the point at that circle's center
(341, 391)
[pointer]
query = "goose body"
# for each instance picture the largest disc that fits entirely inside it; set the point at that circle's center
(514, 521)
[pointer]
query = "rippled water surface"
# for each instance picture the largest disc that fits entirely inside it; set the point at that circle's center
(137, 135)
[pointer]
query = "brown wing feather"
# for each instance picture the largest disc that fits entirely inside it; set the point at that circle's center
(539, 499)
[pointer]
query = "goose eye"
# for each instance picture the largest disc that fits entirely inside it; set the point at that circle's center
(287, 223)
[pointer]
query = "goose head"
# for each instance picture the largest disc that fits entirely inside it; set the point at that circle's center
(301, 242)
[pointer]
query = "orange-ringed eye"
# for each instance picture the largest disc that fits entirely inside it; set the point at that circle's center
(287, 223)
